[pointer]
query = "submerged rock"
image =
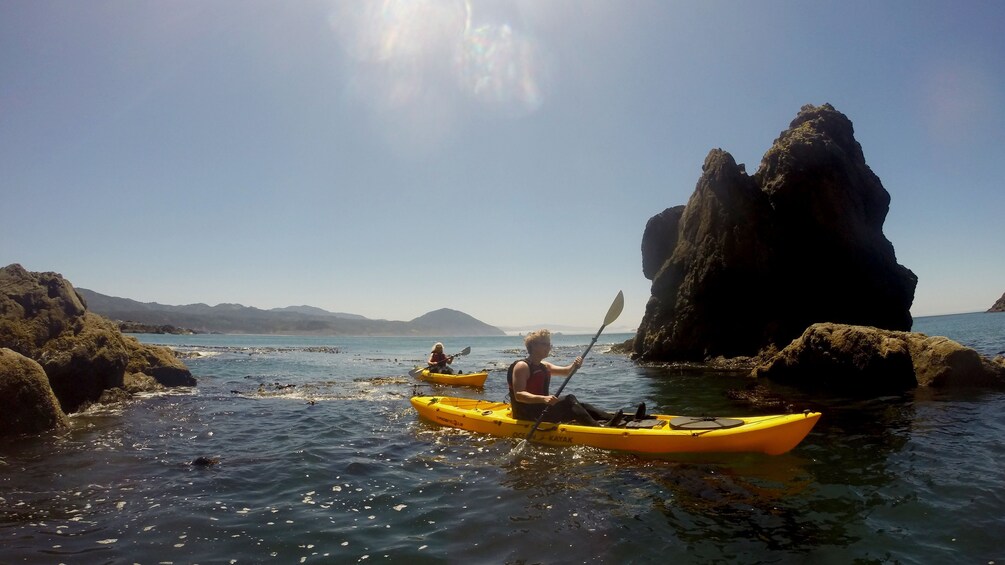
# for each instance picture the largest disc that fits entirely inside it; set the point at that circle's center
(752, 261)
(204, 461)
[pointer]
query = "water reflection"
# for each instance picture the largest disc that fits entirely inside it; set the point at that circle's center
(821, 494)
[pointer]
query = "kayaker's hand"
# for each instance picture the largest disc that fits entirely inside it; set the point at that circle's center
(577, 363)
(551, 400)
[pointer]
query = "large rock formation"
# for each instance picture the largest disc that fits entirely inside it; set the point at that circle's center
(659, 240)
(998, 306)
(43, 318)
(866, 360)
(27, 404)
(752, 261)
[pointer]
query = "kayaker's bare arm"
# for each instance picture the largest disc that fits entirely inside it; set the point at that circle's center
(563, 371)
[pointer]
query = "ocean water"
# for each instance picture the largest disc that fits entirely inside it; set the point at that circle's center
(322, 460)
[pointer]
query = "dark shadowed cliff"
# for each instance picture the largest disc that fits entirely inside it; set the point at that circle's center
(752, 261)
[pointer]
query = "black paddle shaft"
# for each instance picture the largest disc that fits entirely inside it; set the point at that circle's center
(574, 369)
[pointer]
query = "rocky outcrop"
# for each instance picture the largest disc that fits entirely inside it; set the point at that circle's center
(752, 261)
(659, 239)
(43, 318)
(130, 327)
(998, 306)
(159, 363)
(135, 383)
(27, 404)
(866, 360)
(87, 357)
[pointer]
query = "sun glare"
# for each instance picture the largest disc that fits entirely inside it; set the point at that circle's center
(418, 58)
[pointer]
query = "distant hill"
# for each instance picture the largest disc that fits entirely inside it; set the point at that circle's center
(318, 311)
(451, 322)
(999, 305)
(292, 320)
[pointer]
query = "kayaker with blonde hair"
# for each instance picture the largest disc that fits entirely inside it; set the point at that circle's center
(530, 380)
(438, 360)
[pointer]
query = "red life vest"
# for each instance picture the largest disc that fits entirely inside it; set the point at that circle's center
(439, 358)
(540, 379)
(538, 383)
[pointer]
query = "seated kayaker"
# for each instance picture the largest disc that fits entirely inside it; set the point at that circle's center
(529, 381)
(439, 361)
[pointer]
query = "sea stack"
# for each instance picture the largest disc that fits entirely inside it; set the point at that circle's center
(752, 261)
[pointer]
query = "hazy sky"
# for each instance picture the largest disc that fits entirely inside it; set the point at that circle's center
(499, 158)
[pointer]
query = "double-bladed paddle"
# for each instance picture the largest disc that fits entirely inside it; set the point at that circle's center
(612, 314)
(414, 373)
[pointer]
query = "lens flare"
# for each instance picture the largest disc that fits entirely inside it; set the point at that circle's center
(425, 67)
(500, 69)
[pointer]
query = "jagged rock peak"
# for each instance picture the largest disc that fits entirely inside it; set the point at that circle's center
(752, 261)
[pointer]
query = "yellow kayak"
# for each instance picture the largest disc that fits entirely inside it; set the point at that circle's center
(773, 435)
(468, 379)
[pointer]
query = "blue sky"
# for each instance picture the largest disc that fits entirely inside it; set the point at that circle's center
(499, 158)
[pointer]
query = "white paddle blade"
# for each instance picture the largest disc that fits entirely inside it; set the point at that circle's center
(518, 450)
(616, 307)
(416, 372)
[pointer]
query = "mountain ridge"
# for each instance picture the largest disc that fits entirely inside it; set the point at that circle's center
(291, 320)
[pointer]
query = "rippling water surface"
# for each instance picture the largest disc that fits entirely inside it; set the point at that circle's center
(322, 460)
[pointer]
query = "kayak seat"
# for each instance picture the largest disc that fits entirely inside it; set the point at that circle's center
(704, 423)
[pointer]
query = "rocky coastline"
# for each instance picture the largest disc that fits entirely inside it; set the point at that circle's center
(130, 327)
(57, 358)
